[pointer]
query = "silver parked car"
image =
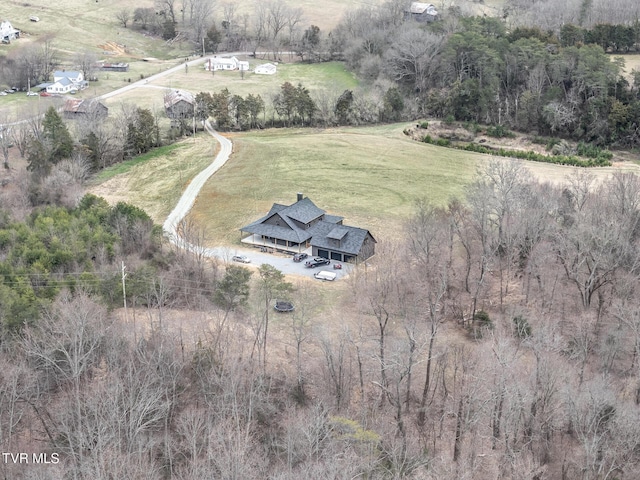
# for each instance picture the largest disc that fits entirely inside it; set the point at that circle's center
(241, 259)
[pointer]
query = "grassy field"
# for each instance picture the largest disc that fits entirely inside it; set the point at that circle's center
(331, 76)
(631, 62)
(78, 25)
(370, 175)
(155, 181)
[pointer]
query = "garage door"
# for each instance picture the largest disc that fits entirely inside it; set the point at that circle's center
(323, 253)
(336, 256)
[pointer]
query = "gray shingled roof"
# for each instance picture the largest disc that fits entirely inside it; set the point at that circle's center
(351, 242)
(277, 231)
(321, 233)
(175, 96)
(290, 232)
(338, 233)
(332, 218)
(304, 211)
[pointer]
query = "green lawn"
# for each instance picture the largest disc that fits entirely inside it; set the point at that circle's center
(78, 25)
(155, 181)
(331, 76)
(371, 176)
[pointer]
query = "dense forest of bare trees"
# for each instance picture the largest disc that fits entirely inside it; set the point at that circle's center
(499, 339)
(496, 336)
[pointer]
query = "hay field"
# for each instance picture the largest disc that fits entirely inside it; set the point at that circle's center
(156, 181)
(369, 175)
(78, 25)
(332, 76)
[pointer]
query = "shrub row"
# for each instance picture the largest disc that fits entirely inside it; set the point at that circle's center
(499, 131)
(591, 151)
(601, 161)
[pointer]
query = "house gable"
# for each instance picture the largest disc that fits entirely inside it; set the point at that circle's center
(7, 32)
(179, 104)
(277, 220)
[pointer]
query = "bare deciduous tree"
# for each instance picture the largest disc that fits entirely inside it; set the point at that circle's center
(123, 16)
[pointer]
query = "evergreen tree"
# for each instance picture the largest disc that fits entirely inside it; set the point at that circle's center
(142, 133)
(57, 135)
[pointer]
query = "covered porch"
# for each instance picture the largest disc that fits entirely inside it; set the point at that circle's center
(276, 244)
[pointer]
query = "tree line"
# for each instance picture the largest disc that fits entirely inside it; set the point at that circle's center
(496, 336)
(474, 69)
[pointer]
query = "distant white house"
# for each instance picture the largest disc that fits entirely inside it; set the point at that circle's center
(225, 63)
(7, 32)
(66, 81)
(266, 69)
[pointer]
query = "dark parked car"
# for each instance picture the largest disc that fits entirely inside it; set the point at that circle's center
(316, 262)
(281, 306)
(298, 257)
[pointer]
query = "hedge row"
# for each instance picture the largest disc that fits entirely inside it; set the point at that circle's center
(603, 160)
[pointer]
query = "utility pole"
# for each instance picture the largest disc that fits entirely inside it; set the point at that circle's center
(203, 46)
(124, 297)
(124, 291)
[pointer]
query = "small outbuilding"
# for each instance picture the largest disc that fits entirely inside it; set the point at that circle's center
(113, 67)
(78, 109)
(266, 69)
(7, 32)
(179, 104)
(422, 12)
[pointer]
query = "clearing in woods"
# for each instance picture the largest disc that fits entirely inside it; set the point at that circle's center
(370, 175)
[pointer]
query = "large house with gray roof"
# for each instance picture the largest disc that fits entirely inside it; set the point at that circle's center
(65, 82)
(302, 225)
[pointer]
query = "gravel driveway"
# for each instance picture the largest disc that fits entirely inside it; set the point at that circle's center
(282, 262)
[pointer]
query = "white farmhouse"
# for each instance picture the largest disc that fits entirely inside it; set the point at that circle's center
(66, 81)
(266, 69)
(225, 63)
(7, 32)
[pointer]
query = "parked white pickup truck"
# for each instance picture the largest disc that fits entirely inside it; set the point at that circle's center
(324, 275)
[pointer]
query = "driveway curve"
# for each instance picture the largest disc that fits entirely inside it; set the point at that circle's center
(171, 226)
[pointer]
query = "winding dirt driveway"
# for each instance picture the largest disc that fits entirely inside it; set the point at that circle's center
(171, 226)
